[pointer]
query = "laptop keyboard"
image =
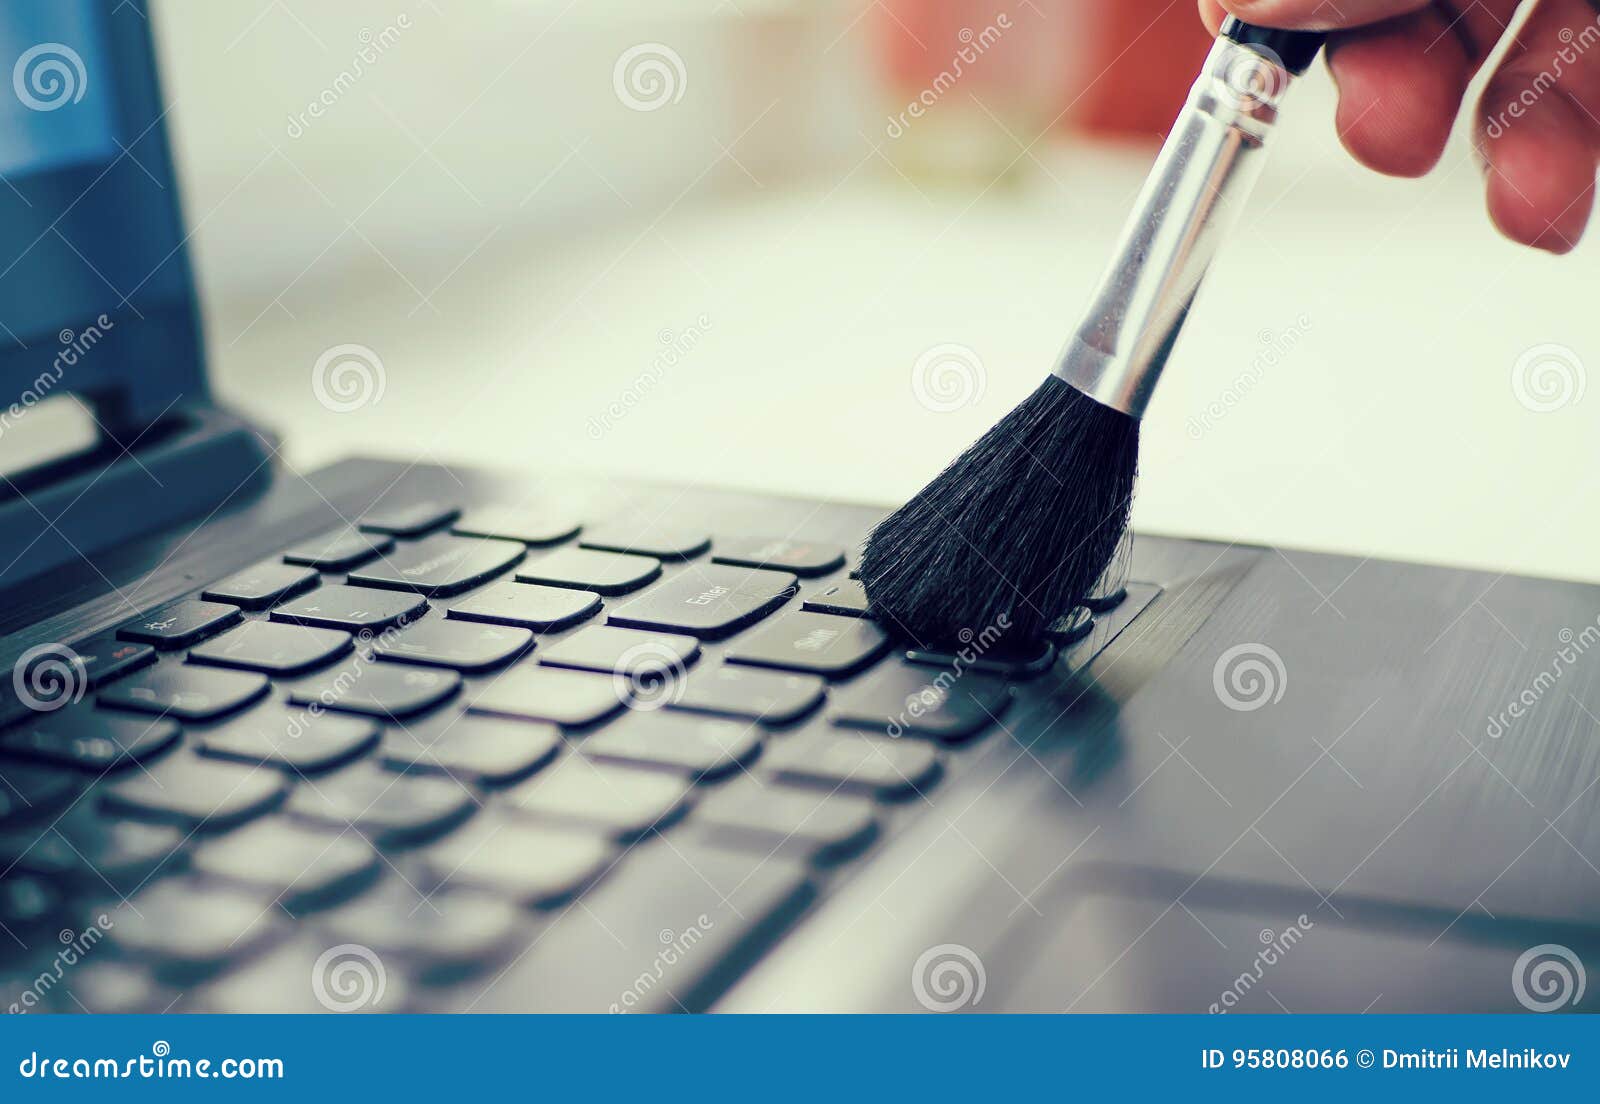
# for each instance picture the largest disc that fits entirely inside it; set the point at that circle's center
(509, 762)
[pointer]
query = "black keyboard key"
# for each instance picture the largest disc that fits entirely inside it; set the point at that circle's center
(1106, 599)
(95, 852)
(180, 624)
(305, 976)
(185, 692)
(766, 696)
(901, 700)
(858, 764)
(813, 643)
(1000, 659)
(338, 551)
(292, 740)
(108, 987)
(45, 856)
(34, 793)
(186, 924)
(846, 599)
(458, 645)
(351, 608)
(713, 911)
(530, 526)
(13, 709)
(265, 584)
(568, 698)
(273, 648)
(26, 902)
(1071, 627)
(532, 864)
(389, 808)
(527, 606)
(664, 542)
(608, 573)
(485, 750)
(88, 740)
(622, 802)
(376, 689)
(450, 931)
(440, 566)
(806, 559)
(763, 818)
(703, 747)
(640, 656)
(104, 657)
(291, 862)
(709, 602)
(408, 520)
(1091, 638)
(197, 793)
(43, 679)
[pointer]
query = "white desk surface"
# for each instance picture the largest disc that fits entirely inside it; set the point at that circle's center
(1389, 429)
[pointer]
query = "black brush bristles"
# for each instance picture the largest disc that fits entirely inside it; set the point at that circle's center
(1019, 527)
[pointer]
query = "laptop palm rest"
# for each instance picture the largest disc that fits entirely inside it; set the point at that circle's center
(1120, 950)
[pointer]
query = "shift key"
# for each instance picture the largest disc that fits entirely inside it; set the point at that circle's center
(710, 602)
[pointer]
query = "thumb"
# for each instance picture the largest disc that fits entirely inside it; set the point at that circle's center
(1308, 15)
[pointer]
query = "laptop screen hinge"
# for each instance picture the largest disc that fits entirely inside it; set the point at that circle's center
(190, 464)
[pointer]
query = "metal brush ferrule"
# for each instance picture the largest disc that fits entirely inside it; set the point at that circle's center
(1197, 189)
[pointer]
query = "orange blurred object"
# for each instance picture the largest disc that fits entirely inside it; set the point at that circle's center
(1143, 55)
(1109, 67)
(993, 50)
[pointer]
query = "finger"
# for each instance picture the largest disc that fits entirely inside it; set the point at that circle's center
(1401, 83)
(1539, 128)
(1308, 15)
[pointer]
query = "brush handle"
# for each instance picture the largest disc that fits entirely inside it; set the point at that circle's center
(1294, 50)
(1204, 175)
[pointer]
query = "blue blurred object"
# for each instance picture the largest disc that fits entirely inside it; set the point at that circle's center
(96, 295)
(56, 116)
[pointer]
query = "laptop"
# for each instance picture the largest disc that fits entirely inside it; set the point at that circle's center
(404, 737)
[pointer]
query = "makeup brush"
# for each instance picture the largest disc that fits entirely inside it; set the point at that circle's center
(1024, 522)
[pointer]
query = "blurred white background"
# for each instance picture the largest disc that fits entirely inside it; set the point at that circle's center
(521, 248)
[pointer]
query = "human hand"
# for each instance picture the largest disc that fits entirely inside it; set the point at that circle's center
(1402, 69)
